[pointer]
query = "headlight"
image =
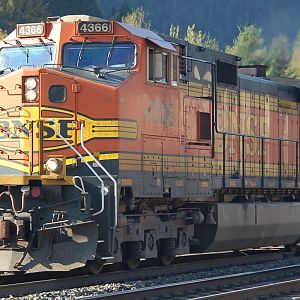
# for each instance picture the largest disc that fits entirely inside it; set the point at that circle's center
(31, 95)
(54, 165)
(31, 83)
(31, 89)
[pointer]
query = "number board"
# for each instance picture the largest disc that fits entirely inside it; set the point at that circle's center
(94, 27)
(33, 29)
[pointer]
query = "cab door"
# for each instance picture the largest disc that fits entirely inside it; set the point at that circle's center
(59, 106)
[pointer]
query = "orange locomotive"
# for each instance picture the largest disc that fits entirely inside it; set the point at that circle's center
(120, 144)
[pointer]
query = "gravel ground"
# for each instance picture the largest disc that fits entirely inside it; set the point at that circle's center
(132, 285)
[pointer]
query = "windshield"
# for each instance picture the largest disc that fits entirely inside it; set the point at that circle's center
(118, 55)
(36, 56)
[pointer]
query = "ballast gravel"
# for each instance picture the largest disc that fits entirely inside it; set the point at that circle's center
(133, 285)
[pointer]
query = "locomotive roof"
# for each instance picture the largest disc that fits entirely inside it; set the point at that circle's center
(201, 52)
(149, 35)
(282, 90)
(278, 87)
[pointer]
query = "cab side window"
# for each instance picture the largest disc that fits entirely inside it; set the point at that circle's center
(157, 66)
(151, 64)
(174, 69)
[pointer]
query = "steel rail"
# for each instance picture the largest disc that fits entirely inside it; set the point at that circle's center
(183, 264)
(266, 290)
(208, 285)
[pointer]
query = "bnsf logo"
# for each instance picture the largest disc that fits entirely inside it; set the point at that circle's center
(66, 128)
(17, 129)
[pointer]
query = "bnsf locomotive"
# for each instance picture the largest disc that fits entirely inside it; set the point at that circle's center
(117, 144)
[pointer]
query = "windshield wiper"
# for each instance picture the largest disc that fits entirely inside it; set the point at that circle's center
(80, 54)
(49, 49)
(111, 50)
(117, 70)
(25, 51)
(2, 71)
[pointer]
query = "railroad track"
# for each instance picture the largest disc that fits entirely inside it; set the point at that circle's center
(250, 285)
(29, 284)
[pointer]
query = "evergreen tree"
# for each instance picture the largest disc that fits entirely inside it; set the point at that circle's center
(73, 7)
(200, 38)
(124, 10)
(113, 14)
(13, 12)
(249, 45)
(279, 57)
(138, 18)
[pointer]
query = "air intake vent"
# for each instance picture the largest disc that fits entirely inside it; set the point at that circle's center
(253, 70)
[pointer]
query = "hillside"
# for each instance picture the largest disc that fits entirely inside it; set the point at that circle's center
(219, 17)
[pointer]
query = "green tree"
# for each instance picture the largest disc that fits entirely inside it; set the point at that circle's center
(13, 12)
(113, 14)
(201, 38)
(124, 10)
(174, 31)
(279, 56)
(294, 66)
(249, 45)
(3, 34)
(138, 18)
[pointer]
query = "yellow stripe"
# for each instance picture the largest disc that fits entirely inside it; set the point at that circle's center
(128, 161)
(109, 156)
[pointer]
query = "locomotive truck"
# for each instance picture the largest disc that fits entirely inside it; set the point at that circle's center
(120, 144)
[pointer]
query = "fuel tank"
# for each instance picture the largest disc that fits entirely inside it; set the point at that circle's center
(249, 225)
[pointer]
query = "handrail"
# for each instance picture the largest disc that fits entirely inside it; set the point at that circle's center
(88, 165)
(104, 170)
(81, 189)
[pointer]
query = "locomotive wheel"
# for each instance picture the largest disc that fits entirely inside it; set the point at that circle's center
(166, 251)
(295, 248)
(288, 247)
(133, 252)
(132, 263)
(94, 267)
(165, 260)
